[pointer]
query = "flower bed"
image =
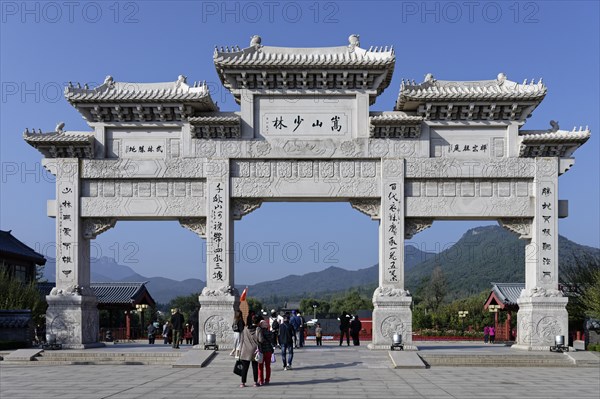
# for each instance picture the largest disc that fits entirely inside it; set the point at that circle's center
(417, 337)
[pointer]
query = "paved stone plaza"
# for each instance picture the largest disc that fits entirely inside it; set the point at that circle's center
(330, 371)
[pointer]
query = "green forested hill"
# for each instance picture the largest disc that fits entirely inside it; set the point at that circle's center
(482, 255)
(489, 254)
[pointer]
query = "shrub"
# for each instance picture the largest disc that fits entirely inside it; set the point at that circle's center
(15, 295)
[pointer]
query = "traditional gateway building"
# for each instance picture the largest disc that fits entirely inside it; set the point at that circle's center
(449, 150)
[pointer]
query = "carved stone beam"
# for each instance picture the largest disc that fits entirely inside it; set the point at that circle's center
(414, 226)
(243, 206)
(196, 225)
(368, 206)
(520, 226)
(92, 227)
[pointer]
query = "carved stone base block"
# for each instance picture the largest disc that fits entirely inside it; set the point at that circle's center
(391, 315)
(216, 317)
(539, 320)
(74, 319)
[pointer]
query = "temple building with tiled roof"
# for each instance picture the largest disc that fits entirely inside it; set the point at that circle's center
(17, 259)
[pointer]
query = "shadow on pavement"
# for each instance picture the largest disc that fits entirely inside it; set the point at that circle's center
(328, 366)
(313, 381)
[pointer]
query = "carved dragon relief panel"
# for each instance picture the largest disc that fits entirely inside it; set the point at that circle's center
(305, 178)
(147, 168)
(419, 168)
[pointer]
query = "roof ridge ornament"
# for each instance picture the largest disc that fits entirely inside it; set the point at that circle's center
(59, 127)
(554, 127)
(109, 81)
(501, 78)
(255, 41)
(354, 41)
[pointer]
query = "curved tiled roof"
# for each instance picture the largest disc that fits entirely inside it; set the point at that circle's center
(499, 89)
(119, 292)
(285, 68)
(305, 58)
(112, 293)
(221, 118)
(11, 246)
(394, 117)
(552, 143)
(559, 136)
(508, 293)
(59, 137)
(111, 91)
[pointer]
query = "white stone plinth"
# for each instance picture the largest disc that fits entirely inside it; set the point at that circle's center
(540, 320)
(216, 317)
(391, 315)
(74, 319)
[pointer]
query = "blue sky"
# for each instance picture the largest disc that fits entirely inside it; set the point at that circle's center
(44, 45)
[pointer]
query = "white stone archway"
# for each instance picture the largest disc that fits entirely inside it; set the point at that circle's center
(448, 150)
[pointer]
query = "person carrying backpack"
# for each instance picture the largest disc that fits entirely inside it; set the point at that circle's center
(274, 324)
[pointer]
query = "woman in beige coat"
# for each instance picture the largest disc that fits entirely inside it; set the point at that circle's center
(250, 338)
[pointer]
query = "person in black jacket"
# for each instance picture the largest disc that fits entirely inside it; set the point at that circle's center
(355, 327)
(344, 328)
(177, 323)
(286, 340)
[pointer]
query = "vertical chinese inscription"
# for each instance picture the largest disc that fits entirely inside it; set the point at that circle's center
(66, 250)
(547, 223)
(392, 214)
(392, 224)
(219, 269)
(217, 230)
(547, 231)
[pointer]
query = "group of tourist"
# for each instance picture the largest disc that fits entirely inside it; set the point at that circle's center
(489, 334)
(255, 340)
(173, 331)
(254, 345)
(350, 326)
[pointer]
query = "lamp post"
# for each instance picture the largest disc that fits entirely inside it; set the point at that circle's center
(462, 314)
(140, 308)
(314, 310)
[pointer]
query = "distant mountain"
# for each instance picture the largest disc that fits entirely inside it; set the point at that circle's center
(489, 254)
(164, 289)
(482, 255)
(331, 279)
(105, 269)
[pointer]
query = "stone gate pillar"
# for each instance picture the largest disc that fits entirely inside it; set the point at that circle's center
(392, 313)
(542, 307)
(219, 298)
(72, 312)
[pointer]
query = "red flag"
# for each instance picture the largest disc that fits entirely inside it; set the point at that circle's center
(243, 296)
